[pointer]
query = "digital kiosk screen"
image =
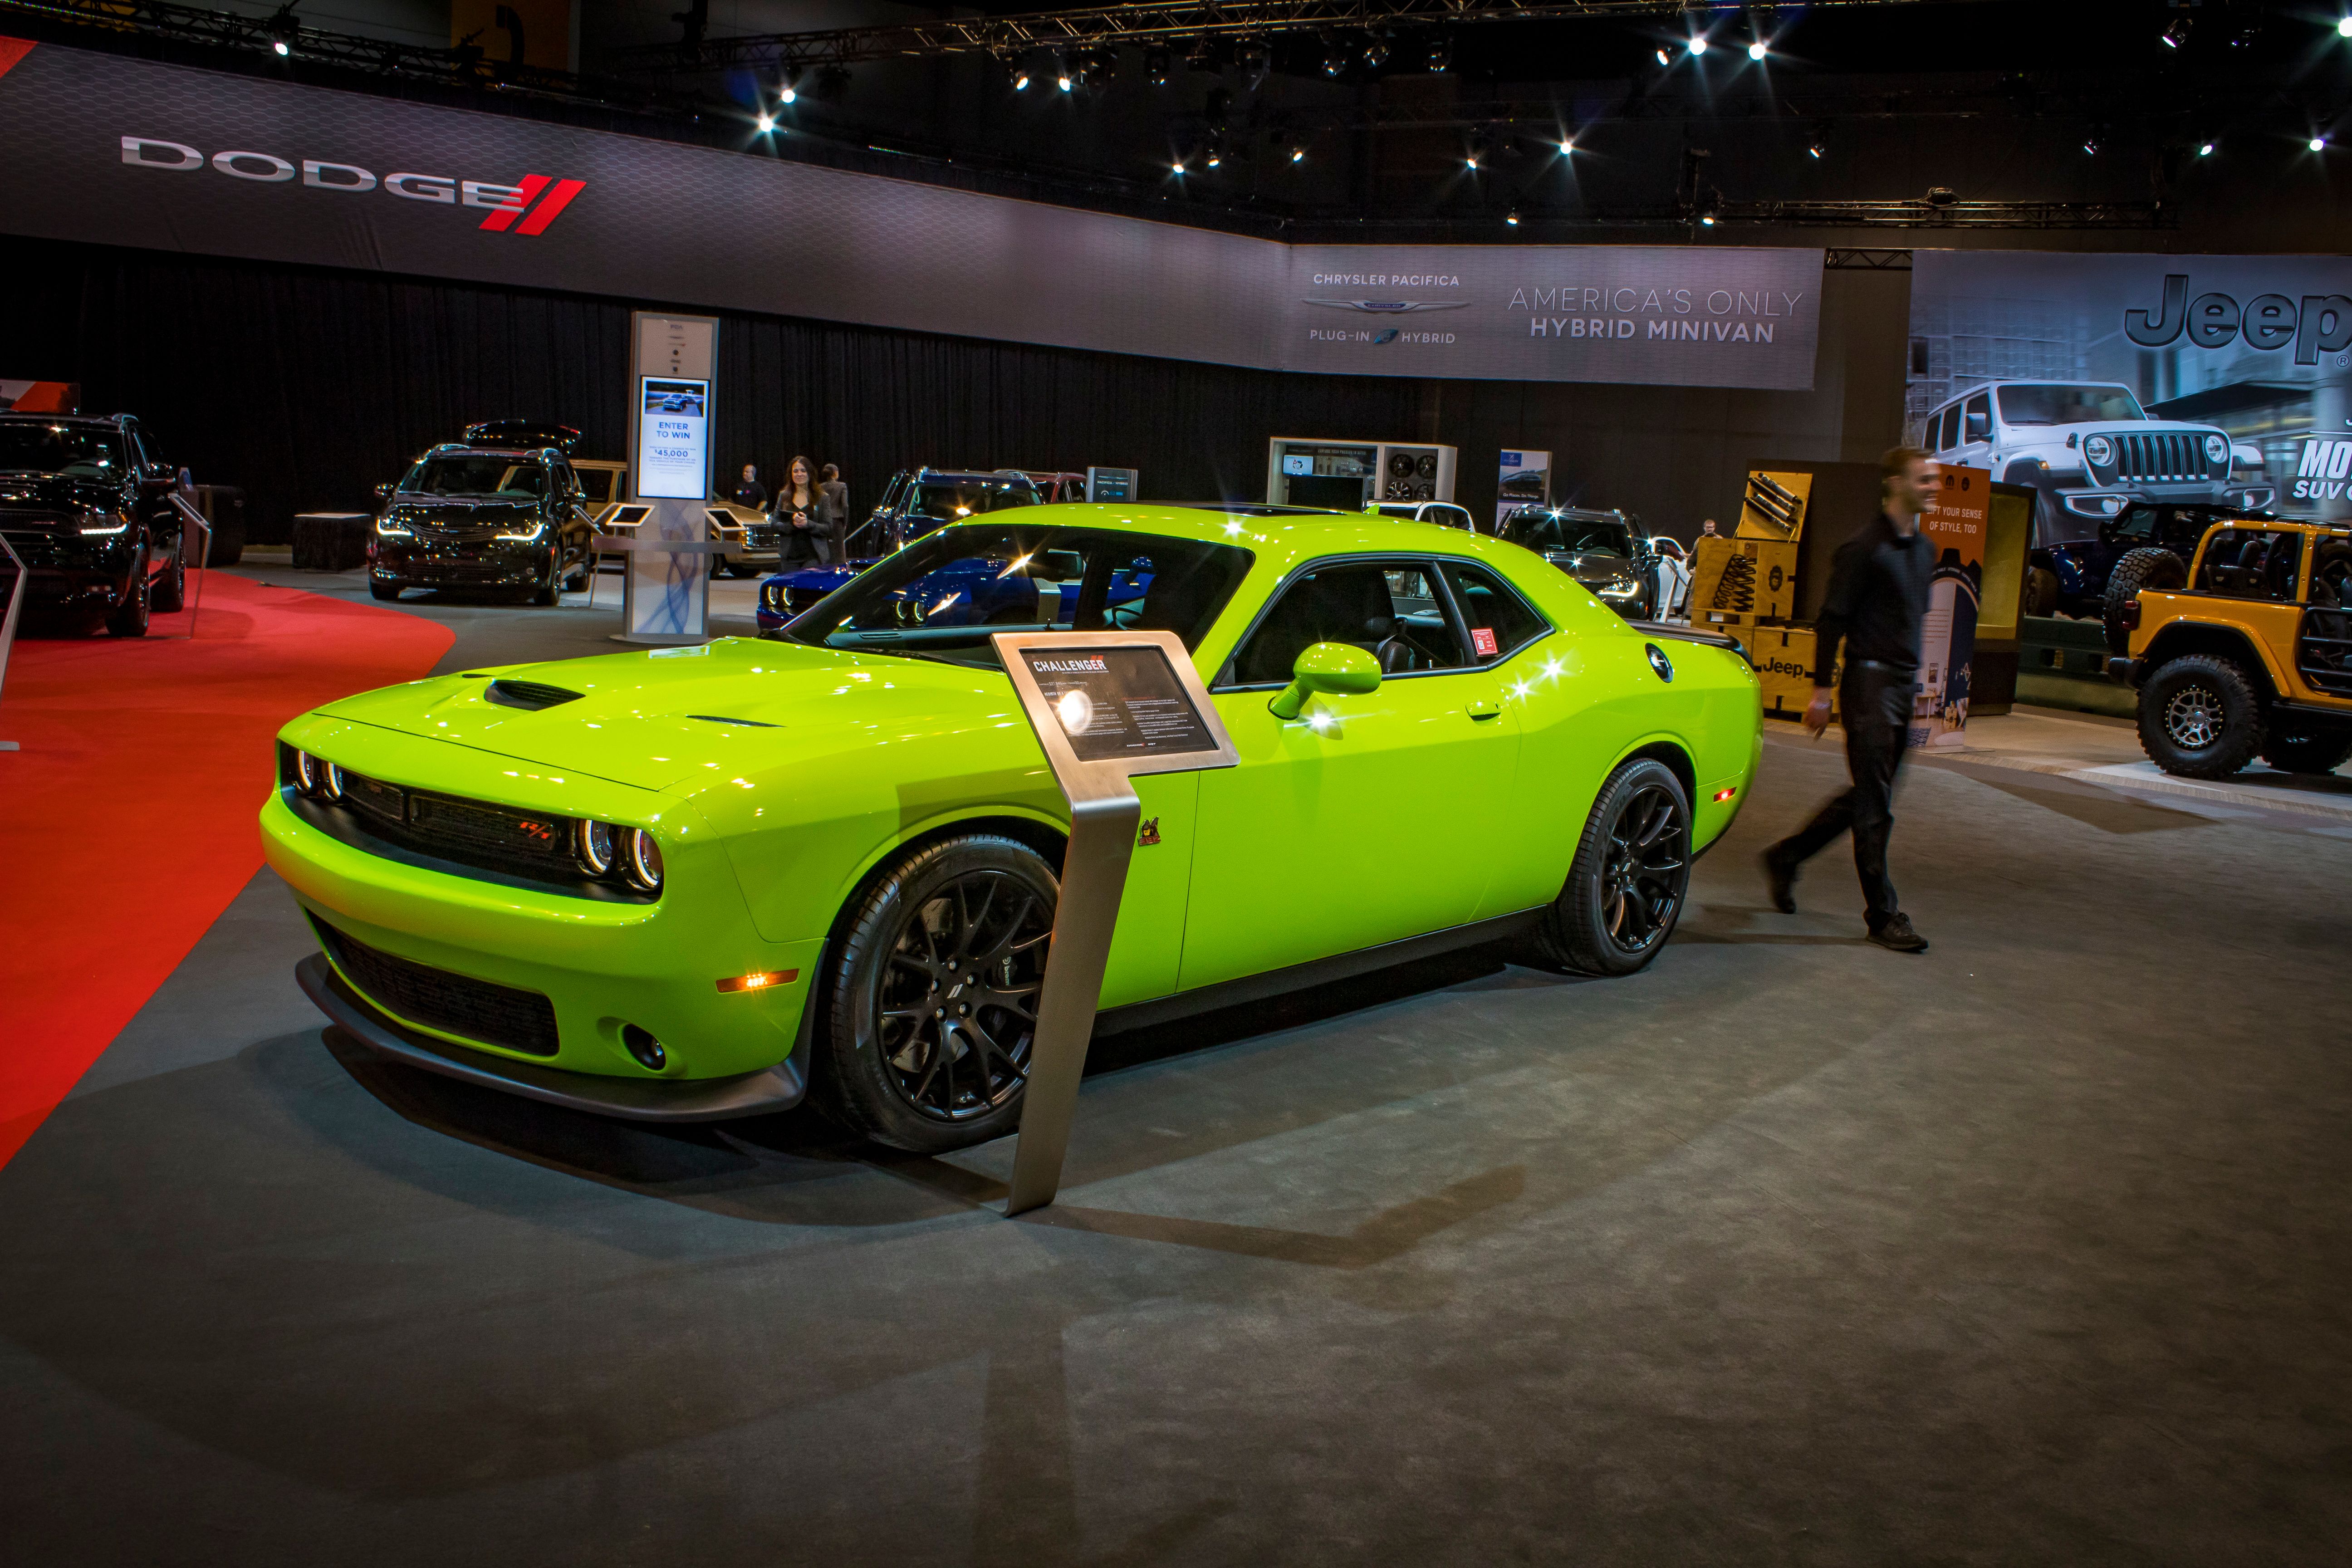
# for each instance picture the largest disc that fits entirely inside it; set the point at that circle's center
(674, 439)
(1116, 702)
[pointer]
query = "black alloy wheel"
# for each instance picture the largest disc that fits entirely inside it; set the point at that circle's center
(933, 999)
(2200, 717)
(128, 619)
(171, 591)
(549, 591)
(1625, 892)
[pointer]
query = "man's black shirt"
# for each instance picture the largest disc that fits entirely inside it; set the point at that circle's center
(1877, 599)
(751, 495)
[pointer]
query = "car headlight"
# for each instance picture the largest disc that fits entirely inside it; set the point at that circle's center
(645, 865)
(595, 846)
(99, 525)
(2099, 450)
(1621, 588)
(317, 777)
(393, 528)
(2216, 451)
(535, 529)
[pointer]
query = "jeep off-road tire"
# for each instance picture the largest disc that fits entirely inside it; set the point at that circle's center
(931, 996)
(2041, 592)
(2307, 751)
(1632, 872)
(2160, 570)
(2201, 718)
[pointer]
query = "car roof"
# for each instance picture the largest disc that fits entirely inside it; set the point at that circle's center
(1282, 538)
(459, 450)
(94, 421)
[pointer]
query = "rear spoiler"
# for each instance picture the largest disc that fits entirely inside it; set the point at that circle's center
(1690, 634)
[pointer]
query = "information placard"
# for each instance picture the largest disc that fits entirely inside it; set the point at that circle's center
(1119, 702)
(673, 438)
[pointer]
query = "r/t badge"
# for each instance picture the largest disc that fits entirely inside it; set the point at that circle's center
(1148, 833)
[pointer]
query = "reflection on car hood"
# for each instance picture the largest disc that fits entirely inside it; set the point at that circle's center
(656, 719)
(1592, 568)
(54, 490)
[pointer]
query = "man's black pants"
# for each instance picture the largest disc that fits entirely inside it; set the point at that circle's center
(1874, 703)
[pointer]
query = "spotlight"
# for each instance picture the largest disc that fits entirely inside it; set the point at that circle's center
(790, 95)
(1066, 76)
(1157, 67)
(1474, 157)
(1254, 61)
(1176, 165)
(2344, 28)
(1298, 152)
(1663, 58)
(2205, 149)
(766, 122)
(2317, 143)
(1334, 59)
(1099, 66)
(1216, 151)
(1439, 55)
(1756, 50)
(1376, 52)
(1021, 79)
(1697, 44)
(2178, 33)
(1512, 217)
(2091, 145)
(1568, 144)
(279, 46)
(1814, 149)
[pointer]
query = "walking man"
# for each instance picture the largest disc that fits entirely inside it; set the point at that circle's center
(1877, 599)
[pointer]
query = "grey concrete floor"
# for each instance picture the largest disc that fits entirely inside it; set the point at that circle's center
(2035, 1248)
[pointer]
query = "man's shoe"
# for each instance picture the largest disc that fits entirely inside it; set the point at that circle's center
(1898, 936)
(1780, 876)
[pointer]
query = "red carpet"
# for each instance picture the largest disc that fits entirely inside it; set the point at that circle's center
(127, 820)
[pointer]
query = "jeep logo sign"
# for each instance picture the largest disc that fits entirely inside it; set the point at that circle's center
(506, 203)
(2316, 325)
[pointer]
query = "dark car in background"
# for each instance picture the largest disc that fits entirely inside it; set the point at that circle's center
(506, 520)
(2147, 545)
(1608, 552)
(86, 507)
(916, 501)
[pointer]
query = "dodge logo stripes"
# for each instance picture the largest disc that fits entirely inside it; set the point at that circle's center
(537, 201)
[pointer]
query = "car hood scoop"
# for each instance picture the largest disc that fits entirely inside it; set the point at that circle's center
(671, 718)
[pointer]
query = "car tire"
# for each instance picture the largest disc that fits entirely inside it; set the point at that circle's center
(977, 904)
(2309, 752)
(2201, 718)
(1626, 889)
(2041, 594)
(2157, 569)
(170, 591)
(380, 589)
(130, 618)
(549, 593)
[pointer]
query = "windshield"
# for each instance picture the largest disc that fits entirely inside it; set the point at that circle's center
(2056, 405)
(476, 475)
(60, 449)
(945, 594)
(947, 502)
(1556, 533)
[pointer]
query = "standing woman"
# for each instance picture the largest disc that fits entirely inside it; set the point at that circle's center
(800, 506)
(837, 510)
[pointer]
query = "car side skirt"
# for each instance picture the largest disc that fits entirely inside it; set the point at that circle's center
(778, 1088)
(1250, 988)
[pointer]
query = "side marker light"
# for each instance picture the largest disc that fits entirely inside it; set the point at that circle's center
(761, 981)
(1726, 794)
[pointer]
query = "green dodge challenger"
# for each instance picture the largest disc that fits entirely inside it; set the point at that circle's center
(701, 882)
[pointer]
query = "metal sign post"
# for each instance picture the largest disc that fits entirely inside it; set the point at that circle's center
(1106, 706)
(9, 621)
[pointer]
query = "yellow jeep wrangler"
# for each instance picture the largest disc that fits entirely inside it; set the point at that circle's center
(2253, 658)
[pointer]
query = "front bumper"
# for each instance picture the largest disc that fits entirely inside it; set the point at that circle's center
(491, 563)
(779, 1087)
(2105, 502)
(601, 965)
(72, 572)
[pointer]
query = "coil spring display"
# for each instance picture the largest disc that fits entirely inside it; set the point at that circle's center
(1736, 590)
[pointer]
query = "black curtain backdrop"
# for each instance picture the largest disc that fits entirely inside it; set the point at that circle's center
(309, 387)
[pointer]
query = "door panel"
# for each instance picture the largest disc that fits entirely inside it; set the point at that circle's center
(1365, 820)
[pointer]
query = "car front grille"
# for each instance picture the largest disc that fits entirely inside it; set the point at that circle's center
(529, 846)
(2160, 458)
(474, 1009)
(764, 535)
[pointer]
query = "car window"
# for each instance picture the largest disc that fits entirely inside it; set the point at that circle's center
(2061, 404)
(1450, 516)
(1948, 428)
(945, 594)
(949, 501)
(476, 475)
(1977, 425)
(1391, 612)
(2251, 563)
(28, 448)
(1500, 622)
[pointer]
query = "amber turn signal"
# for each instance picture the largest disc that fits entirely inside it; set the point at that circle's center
(761, 981)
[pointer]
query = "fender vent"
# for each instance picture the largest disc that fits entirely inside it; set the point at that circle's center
(528, 694)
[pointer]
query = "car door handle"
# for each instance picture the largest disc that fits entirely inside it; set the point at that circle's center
(1484, 707)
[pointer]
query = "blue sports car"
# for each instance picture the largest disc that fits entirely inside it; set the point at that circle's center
(976, 591)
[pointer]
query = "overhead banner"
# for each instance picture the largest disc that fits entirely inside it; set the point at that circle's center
(122, 152)
(2104, 380)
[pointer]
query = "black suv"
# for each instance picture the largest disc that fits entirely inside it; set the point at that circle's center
(482, 517)
(918, 500)
(88, 510)
(1608, 552)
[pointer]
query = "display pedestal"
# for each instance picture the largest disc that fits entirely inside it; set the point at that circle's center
(665, 592)
(1104, 706)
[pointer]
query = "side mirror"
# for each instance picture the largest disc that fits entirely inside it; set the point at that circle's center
(1332, 666)
(383, 492)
